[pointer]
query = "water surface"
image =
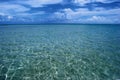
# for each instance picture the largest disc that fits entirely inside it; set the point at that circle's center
(59, 52)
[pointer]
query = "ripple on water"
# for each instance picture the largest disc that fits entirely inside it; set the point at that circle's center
(60, 53)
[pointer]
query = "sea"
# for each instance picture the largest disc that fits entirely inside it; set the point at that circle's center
(60, 52)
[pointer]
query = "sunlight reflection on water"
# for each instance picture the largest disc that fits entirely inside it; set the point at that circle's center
(60, 52)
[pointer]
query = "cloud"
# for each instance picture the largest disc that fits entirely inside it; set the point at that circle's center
(2, 14)
(12, 8)
(24, 14)
(4, 17)
(10, 17)
(97, 19)
(72, 11)
(63, 14)
(10, 11)
(83, 2)
(40, 3)
(103, 19)
(85, 15)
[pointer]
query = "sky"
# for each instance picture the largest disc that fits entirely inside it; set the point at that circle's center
(59, 11)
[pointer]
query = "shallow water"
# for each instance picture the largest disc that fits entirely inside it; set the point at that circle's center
(59, 52)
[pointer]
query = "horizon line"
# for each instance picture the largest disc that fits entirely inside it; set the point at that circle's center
(61, 24)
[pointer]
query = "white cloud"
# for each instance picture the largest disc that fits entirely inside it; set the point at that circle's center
(64, 14)
(103, 19)
(4, 17)
(2, 14)
(104, 1)
(40, 3)
(83, 2)
(97, 19)
(8, 12)
(58, 15)
(68, 13)
(97, 11)
(99, 15)
(10, 17)
(12, 8)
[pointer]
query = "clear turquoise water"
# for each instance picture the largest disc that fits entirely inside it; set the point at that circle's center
(59, 52)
